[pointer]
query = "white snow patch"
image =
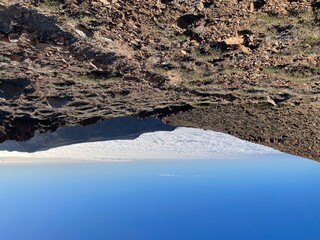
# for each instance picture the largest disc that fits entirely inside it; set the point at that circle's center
(182, 143)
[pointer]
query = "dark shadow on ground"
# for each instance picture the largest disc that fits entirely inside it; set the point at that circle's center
(111, 129)
(43, 28)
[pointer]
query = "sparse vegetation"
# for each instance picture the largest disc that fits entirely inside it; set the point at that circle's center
(180, 37)
(232, 70)
(298, 74)
(4, 59)
(213, 54)
(51, 5)
(92, 76)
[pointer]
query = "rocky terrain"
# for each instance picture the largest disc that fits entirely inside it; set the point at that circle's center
(249, 68)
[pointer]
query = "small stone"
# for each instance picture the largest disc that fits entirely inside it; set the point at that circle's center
(200, 6)
(13, 37)
(271, 101)
(234, 40)
(245, 50)
(80, 33)
(104, 1)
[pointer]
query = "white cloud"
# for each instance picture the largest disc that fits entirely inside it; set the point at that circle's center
(168, 175)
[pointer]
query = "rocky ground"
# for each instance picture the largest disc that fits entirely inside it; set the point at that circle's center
(250, 68)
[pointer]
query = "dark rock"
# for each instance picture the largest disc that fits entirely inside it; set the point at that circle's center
(283, 28)
(207, 4)
(166, 1)
(23, 127)
(157, 80)
(13, 88)
(3, 114)
(65, 84)
(79, 104)
(104, 74)
(58, 101)
(316, 10)
(89, 52)
(162, 112)
(259, 4)
(5, 27)
(187, 20)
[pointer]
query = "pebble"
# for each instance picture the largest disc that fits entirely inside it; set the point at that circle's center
(13, 37)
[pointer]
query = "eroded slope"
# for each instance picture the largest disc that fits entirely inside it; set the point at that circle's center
(74, 62)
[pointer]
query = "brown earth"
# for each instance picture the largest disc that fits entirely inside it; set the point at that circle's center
(249, 68)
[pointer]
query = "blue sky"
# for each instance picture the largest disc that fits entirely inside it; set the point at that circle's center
(265, 198)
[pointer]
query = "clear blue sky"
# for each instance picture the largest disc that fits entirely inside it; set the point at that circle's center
(262, 199)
